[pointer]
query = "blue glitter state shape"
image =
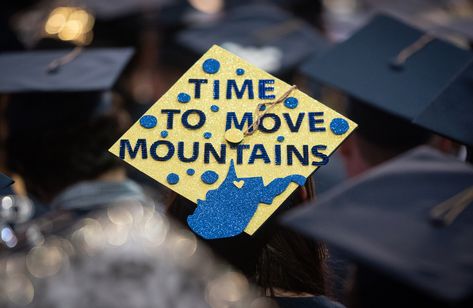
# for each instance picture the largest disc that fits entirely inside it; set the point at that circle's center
(207, 135)
(148, 121)
(209, 177)
(339, 126)
(280, 138)
(211, 66)
(183, 98)
(164, 133)
(214, 108)
(190, 171)
(172, 178)
(227, 210)
(240, 71)
(291, 102)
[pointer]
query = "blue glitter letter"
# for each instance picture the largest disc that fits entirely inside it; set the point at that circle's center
(154, 153)
(304, 159)
(262, 89)
(231, 84)
(313, 121)
(294, 127)
(170, 113)
(315, 151)
(232, 118)
(255, 155)
(140, 143)
(197, 83)
(180, 152)
(185, 119)
(209, 149)
(277, 123)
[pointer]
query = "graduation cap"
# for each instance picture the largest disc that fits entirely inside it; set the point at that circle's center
(118, 8)
(57, 88)
(410, 219)
(79, 70)
(264, 35)
(391, 67)
(5, 182)
(451, 114)
(218, 113)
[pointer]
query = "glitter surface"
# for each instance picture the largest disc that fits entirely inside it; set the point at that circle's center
(148, 121)
(164, 133)
(214, 108)
(291, 102)
(339, 126)
(183, 97)
(190, 171)
(227, 210)
(211, 66)
(172, 178)
(209, 177)
(207, 135)
(240, 71)
(280, 138)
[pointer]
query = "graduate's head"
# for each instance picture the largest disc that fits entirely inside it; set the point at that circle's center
(62, 115)
(394, 73)
(58, 139)
(274, 257)
(380, 136)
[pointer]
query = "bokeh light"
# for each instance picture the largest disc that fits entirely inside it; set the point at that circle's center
(70, 24)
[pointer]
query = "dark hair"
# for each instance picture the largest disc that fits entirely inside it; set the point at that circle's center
(383, 135)
(274, 258)
(56, 140)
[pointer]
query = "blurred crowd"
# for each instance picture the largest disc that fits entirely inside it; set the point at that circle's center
(386, 223)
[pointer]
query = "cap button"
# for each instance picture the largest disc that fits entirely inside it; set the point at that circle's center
(234, 135)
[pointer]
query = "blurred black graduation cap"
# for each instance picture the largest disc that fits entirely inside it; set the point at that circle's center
(53, 89)
(392, 72)
(263, 34)
(5, 182)
(395, 220)
(451, 113)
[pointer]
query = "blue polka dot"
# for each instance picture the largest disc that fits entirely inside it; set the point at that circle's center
(211, 66)
(209, 177)
(164, 133)
(240, 71)
(214, 108)
(207, 135)
(183, 98)
(172, 178)
(291, 102)
(148, 121)
(280, 138)
(339, 126)
(190, 171)
(262, 108)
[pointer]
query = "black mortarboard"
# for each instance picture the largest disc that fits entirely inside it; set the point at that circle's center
(389, 221)
(88, 70)
(363, 67)
(42, 97)
(106, 9)
(5, 181)
(266, 35)
(451, 114)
